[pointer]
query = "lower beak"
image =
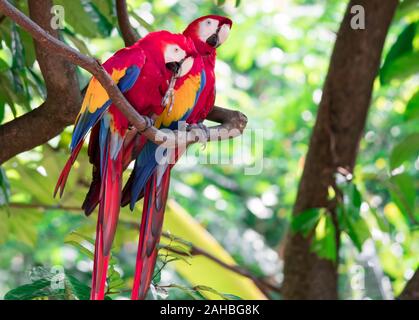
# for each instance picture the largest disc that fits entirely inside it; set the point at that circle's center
(173, 66)
(214, 40)
(186, 66)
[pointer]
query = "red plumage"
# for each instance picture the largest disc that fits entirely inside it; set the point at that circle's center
(141, 74)
(155, 195)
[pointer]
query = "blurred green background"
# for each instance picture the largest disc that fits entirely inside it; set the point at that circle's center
(272, 68)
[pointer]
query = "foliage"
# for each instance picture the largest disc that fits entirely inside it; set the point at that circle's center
(272, 68)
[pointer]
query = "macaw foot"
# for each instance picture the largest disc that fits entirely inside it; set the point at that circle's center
(203, 128)
(149, 123)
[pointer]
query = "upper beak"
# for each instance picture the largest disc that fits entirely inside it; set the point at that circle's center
(214, 40)
(174, 66)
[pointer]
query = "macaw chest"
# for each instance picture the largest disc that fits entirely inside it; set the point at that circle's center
(147, 94)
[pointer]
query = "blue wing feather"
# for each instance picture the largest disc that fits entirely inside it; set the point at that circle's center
(87, 120)
(146, 162)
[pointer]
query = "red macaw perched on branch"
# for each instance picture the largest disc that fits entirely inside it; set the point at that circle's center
(207, 33)
(142, 73)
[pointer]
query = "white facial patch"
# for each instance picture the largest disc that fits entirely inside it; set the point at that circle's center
(186, 66)
(207, 28)
(173, 53)
(223, 33)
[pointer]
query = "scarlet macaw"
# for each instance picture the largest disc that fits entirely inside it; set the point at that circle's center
(207, 33)
(142, 73)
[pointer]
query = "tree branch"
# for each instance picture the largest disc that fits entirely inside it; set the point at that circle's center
(129, 35)
(14, 136)
(411, 290)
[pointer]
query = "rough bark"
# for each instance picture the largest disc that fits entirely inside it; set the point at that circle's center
(63, 96)
(335, 139)
(411, 291)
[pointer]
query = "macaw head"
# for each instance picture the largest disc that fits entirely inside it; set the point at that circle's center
(208, 32)
(177, 51)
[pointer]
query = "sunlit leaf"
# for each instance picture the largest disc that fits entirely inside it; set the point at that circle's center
(305, 221)
(37, 289)
(403, 192)
(324, 240)
(77, 288)
(407, 149)
(412, 108)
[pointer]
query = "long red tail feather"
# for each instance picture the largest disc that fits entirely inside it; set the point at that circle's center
(66, 170)
(107, 221)
(150, 230)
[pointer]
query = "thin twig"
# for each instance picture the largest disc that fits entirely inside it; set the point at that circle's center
(19, 205)
(196, 251)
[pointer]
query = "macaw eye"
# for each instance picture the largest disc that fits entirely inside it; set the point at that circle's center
(209, 22)
(176, 50)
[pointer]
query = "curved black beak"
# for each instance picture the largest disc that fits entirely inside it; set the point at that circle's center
(174, 66)
(214, 41)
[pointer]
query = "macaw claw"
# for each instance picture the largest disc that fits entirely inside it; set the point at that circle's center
(202, 127)
(149, 123)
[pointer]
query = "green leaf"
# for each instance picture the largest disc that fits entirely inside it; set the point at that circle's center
(407, 7)
(407, 149)
(356, 228)
(37, 289)
(231, 297)
(6, 59)
(403, 44)
(78, 43)
(81, 248)
(201, 288)
(324, 240)
(104, 25)
(412, 108)
(402, 68)
(3, 65)
(351, 200)
(85, 19)
(105, 8)
(403, 192)
(306, 220)
(194, 294)
(401, 61)
(77, 288)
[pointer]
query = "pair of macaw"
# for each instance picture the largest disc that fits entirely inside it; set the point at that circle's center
(170, 78)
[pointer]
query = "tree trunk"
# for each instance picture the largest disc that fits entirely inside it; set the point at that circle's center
(411, 291)
(334, 142)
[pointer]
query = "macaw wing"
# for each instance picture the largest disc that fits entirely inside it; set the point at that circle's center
(97, 101)
(125, 69)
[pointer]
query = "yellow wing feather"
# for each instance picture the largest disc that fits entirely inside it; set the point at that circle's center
(184, 99)
(96, 95)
